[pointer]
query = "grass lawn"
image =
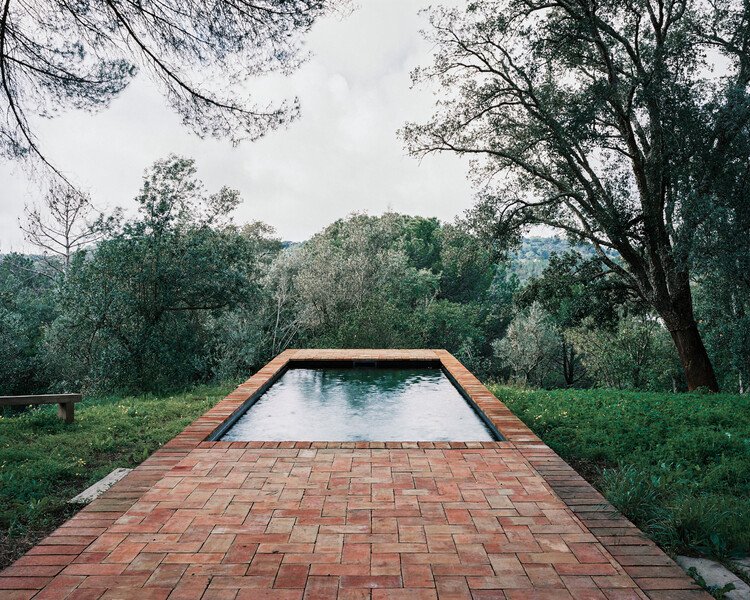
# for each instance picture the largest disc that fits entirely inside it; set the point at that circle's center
(677, 465)
(44, 463)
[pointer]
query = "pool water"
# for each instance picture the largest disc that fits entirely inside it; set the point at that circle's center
(360, 404)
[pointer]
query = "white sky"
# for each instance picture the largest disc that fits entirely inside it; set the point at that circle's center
(342, 155)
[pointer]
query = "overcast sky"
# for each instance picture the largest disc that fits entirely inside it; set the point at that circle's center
(342, 155)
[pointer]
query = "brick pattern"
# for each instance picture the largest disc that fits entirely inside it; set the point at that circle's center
(381, 520)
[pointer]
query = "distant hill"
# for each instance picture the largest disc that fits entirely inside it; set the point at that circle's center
(534, 254)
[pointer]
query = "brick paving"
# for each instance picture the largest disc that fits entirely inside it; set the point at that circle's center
(352, 520)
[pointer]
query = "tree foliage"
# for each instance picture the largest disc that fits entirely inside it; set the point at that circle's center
(135, 312)
(529, 347)
(572, 289)
(636, 354)
(394, 281)
(603, 120)
(27, 307)
(56, 54)
(721, 263)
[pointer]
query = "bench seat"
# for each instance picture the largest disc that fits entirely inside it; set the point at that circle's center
(65, 403)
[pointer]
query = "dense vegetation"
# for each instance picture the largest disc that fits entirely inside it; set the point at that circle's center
(678, 465)
(179, 294)
(44, 462)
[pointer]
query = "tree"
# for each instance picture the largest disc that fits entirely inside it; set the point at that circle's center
(250, 333)
(529, 347)
(721, 263)
(607, 122)
(27, 307)
(65, 225)
(139, 312)
(637, 354)
(466, 266)
(389, 281)
(56, 54)
(572, 288)
(356, 285)
(286, 309)
(723, 304)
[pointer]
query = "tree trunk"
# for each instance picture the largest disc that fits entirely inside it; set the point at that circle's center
(673, 301)
(567, 377)
(695, 361)
(568, 362)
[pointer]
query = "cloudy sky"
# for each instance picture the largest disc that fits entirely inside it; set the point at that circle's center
(342, 155)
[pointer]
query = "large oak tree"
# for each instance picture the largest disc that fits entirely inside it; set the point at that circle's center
(622, 122)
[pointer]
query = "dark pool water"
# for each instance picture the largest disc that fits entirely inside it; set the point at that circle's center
(354, 404)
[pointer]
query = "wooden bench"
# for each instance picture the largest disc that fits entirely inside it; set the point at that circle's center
(65, 403)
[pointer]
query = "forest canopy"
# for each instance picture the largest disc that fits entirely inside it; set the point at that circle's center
(179, 294)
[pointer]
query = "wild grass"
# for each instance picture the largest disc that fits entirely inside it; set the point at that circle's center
(44, 462)
(677, 465)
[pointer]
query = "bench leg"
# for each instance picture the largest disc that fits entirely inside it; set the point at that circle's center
(65, 411)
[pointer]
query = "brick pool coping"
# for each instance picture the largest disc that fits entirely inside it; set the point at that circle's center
(95, 541)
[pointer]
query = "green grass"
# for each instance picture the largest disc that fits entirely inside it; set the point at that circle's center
(44, 462)
(678, 465)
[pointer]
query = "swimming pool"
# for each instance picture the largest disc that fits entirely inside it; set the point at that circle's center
(411, 402)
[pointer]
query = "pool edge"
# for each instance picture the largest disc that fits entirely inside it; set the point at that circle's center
(254, 388)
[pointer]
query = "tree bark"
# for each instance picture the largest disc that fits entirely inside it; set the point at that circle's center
(695, 361)
(673, 300)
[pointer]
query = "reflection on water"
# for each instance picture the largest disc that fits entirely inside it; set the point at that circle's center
(346, 404)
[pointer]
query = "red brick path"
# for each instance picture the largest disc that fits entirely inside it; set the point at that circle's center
(289, 520)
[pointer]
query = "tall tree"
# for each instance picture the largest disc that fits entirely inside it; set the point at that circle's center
(56, 54)
(136, 313)
(529, 346)
(63, 225)
(602, 118)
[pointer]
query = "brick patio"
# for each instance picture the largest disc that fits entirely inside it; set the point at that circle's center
(353, 520)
